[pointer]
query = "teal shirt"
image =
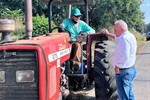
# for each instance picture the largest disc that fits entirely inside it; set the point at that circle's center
(75, 29)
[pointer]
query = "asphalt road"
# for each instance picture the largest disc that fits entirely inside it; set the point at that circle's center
(141, 85)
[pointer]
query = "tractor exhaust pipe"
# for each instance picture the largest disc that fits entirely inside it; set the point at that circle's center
(28, 19)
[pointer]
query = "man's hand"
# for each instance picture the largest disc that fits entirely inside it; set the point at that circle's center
(117, 70)
(105, 31)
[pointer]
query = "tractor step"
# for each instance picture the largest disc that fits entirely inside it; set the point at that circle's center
(77, 76)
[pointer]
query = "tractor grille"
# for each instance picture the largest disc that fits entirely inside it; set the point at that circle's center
(18, 60)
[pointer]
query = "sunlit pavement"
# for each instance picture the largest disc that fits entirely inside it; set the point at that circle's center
(141, 85)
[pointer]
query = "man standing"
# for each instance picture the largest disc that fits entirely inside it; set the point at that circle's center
(124, 59)
(75, 26)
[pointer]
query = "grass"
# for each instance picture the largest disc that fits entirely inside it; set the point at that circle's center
(141, 39)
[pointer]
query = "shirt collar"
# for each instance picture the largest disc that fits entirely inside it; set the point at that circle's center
(118, 38)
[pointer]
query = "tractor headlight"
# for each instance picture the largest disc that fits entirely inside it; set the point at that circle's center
(25, 76)
(2, 76)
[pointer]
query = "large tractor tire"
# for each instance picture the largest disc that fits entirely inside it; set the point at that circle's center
(105, 83)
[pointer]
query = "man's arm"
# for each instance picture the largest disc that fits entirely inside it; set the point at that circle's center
(65, 23)
(105, 31)
(86, 28)
(90, 30)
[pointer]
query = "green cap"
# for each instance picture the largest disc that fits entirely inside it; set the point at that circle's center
(76, 12)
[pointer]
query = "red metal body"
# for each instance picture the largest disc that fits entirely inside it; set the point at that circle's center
(91, 39)
(89, 44)
(52, 51)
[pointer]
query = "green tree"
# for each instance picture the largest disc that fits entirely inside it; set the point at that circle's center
(39, 8)
(102, 14)
(105, 12)
(59, 13)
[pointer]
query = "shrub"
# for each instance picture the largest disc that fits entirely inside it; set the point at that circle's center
(18, 34)
(40, 25)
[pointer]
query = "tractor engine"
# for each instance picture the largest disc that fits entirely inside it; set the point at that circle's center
(31, 69)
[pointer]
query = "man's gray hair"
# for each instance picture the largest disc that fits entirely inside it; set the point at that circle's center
(122, 24)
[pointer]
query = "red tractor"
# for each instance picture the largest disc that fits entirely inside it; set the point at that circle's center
(36, 68)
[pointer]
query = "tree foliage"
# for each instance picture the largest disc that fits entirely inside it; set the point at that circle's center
(106, 12)
(102, 14)
(59, 13)
(40, 25)
(38, 8)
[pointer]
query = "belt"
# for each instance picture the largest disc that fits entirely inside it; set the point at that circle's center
(125, 68)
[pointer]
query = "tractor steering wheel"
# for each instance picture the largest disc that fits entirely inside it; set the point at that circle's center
(65, 30)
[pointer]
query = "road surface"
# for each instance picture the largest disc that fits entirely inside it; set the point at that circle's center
(141, 86)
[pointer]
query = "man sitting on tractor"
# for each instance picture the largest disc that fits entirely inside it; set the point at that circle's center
(75, 26)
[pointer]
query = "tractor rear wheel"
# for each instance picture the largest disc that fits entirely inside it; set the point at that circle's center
(105, 84)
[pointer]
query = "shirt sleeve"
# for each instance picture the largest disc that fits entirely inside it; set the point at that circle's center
(86, 28)
(64, 23)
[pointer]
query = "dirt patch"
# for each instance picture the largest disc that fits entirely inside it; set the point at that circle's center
(85, 94)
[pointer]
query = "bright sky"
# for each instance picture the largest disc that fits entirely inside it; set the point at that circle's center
(145, 7)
